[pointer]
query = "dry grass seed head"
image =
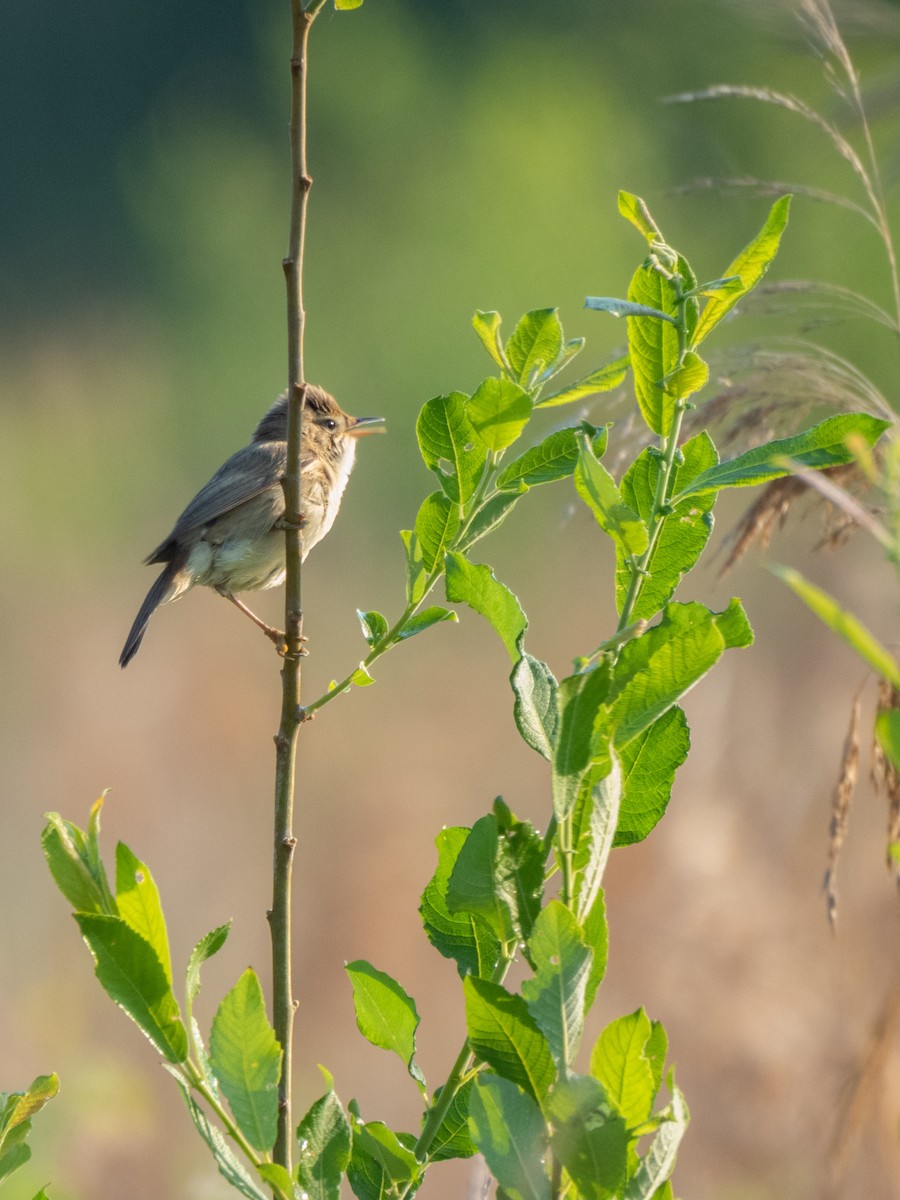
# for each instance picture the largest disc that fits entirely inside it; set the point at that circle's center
(840, 808)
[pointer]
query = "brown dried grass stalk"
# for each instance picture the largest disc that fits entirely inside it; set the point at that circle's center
(840, 808)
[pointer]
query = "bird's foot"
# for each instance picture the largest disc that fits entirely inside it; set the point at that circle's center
(286, 523)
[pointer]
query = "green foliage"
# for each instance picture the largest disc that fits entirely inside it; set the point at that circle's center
(612, 735)
(17, 1109)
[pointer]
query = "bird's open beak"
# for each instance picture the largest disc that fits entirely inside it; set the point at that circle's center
(363, 426)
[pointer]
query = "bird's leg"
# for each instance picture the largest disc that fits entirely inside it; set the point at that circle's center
(274, 635)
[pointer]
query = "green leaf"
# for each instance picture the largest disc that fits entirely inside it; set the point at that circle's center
(449, 445)
(655, 1051)
(416, 578)
(16, 1156)
(619, 1061)
(653, 347)
(690, 377)
(626, 308)
(649, 762)
(16, 1112)
(633, 209)
(535, 709)
(323, 1139)
(137, 898)
(436, 524)
(72, 867)
(598, 490)
(423, 620)
(453, 1139)
(503, 1034)
(535, 345)
(654, 670)
(554, 458)
(556, 994)
(683, 535)
(499, 410)
(381, 1166)
(580, 700)
(604, 379)
(276, 1176)
(491, 514)
(843, 623)
(246, 1059)
(509, 1130)
(462, 936)
(487, 326)
(475, 585)
(750, 266)
(594, 830)
(825, 445)
(374, 626)
(887, 730)
(385, 1014)
(230, 1167)
(657, 1164)
(347, 5)
(497, 876)
(596, 936)
(589, 1139)
(132, 976)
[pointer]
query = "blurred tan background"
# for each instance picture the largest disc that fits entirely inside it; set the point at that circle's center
(466, 155)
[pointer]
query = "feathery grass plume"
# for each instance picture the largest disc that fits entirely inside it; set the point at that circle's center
(887, 782)
(840, 808)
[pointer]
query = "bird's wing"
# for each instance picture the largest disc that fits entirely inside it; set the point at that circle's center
(249, 473)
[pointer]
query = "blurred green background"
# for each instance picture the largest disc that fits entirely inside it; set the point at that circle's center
(466, 155)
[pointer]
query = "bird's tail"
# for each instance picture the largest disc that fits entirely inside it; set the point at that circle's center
(171, 583)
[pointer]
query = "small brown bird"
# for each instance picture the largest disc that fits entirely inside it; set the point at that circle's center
(231, 535)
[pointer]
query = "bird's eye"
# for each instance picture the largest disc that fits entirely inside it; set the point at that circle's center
(329, 424)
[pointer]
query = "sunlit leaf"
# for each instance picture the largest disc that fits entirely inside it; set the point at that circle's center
(246, 1059)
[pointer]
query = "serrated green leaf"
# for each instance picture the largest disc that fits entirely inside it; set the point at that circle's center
(503, 1034)
(385, 1014)
(416, 577)
(598, 490)
(750, 266)
(497, 876)
(138, 902)
(374, 626)
(381, 1165)
(842, 622)
(509, 1130)
(246, 1059)
(690, 377)
(589, 1139)
(596, 935)
(72, 867)
(825, 445)
(555, 995)
(423, 620)
(536, 343)
(475, 584)
(654, 670)
(491, 514)
(620, 1062)
(596, 819)
(487, 327)
(436, 524)
(323, 1148)
(580, 700)
(655, 1052)
(684, 532)
(633, 209)
(230, 1167)
(649, 762)
(462, 936)
(657, 1164)
(535, 707)
(499, 410)
(449, 445)
(453, 1139)
(131, 974)
(604, 379)
(653, 347)
(554, 458)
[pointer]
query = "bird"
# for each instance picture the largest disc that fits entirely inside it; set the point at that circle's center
(231, 535)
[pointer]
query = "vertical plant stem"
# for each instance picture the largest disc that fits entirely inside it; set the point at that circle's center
(283, 1003)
